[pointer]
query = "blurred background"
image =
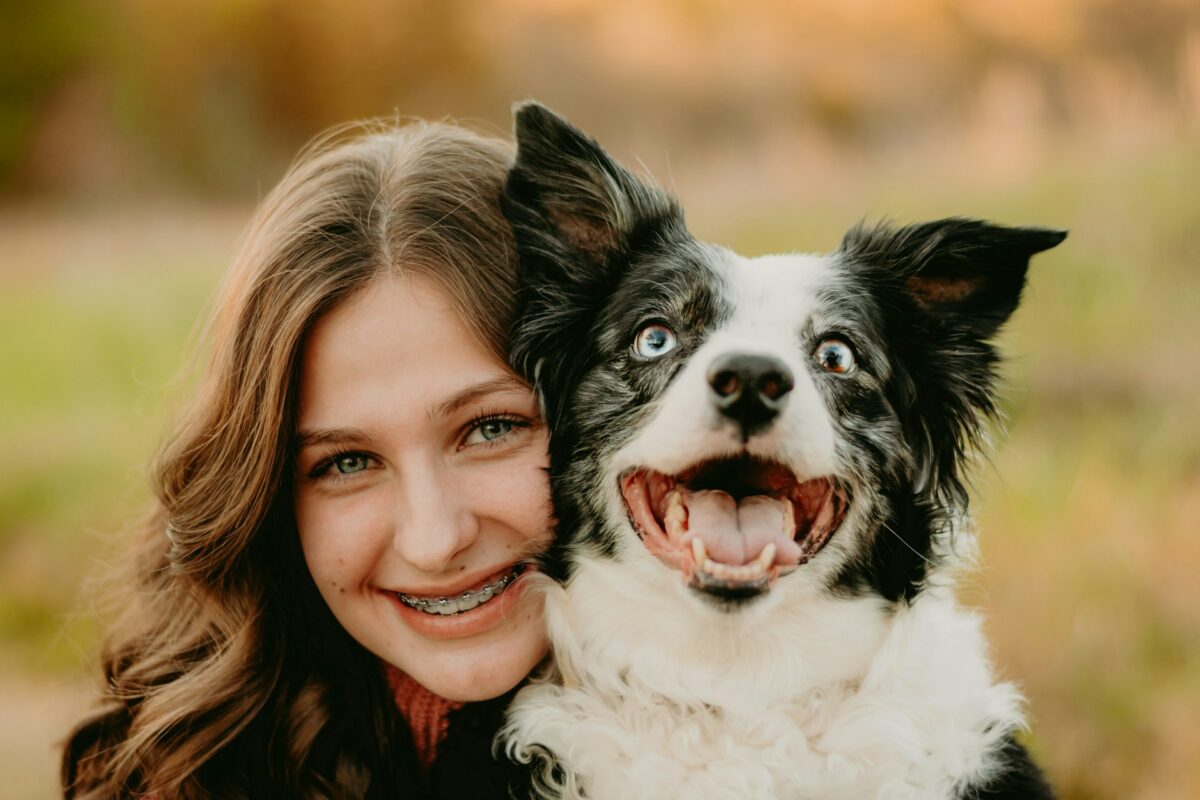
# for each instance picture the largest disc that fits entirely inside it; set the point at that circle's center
(136, 137)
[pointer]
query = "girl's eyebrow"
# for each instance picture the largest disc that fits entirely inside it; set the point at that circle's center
(312, 437)
(505, 383)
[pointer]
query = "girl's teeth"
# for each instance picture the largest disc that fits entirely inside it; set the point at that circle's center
(446, 606)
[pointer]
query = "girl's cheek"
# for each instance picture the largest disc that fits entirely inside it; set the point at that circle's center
(337, 536)
(516, 491)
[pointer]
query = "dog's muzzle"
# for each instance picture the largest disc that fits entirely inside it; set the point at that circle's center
(731, 526)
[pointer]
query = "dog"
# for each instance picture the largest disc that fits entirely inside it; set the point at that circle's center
(758, 468)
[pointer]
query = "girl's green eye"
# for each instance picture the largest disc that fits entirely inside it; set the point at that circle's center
(350, 463)
(487, 431)
(495, 428)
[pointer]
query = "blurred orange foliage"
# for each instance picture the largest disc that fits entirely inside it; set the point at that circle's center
(201, 94)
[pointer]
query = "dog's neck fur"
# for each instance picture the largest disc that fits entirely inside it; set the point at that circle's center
(815, 697)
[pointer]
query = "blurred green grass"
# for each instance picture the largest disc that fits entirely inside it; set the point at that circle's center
(94, 319)
(1088, 510)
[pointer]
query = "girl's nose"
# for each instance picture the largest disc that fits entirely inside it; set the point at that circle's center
(434, 521)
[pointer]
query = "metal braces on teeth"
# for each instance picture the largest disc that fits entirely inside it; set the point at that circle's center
(450, 605)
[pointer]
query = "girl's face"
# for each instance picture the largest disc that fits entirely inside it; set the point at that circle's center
(420, 486)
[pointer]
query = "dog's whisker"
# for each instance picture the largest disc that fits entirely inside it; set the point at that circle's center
(885, 526)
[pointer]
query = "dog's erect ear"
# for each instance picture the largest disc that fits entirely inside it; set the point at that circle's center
(946, 287)
(960, 270)
(578, 217)
(565, 184)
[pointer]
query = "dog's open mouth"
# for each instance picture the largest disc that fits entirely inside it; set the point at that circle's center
(731, 526)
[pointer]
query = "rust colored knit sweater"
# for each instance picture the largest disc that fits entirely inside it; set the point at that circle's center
(427, 714)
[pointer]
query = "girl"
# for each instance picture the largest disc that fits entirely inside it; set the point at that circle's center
(327, 600)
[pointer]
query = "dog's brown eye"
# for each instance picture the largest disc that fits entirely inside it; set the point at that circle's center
(654, 340)
(834, 355)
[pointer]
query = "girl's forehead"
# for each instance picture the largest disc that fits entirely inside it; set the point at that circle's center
(396, 349)
(401, 318)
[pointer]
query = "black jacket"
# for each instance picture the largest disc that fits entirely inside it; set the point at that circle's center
(465, 768)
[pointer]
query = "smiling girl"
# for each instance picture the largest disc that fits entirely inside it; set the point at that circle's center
(327, 600)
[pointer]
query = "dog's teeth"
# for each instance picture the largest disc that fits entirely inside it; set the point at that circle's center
(725, 572)
(755, 570)
(675, 516)
(767, 557)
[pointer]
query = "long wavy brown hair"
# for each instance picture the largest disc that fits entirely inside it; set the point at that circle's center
(226, 675)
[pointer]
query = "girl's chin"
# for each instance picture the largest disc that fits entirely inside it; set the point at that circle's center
(474, 656)
(479, 673)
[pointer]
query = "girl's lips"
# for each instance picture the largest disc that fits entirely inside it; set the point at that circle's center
(468, 584)
(478, 620)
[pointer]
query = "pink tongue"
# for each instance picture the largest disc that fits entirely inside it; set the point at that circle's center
(735, 533)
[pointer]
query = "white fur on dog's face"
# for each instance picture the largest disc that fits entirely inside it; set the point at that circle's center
(772, 298)
(793, 636)
(774, 302)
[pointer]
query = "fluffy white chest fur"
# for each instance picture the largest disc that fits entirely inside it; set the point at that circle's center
(816, 697)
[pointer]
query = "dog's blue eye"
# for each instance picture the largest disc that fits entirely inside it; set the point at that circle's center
(834, 355)
(654, 340)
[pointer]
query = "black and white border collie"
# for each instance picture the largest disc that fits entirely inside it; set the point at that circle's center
(758, 471)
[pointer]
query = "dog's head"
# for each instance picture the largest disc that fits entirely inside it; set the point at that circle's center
(745, 421)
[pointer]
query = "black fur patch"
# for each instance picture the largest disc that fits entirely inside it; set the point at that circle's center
(601, 253)
(1018, 779)
(933, 294)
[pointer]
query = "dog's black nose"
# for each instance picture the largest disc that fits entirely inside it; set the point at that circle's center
(750, 389)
